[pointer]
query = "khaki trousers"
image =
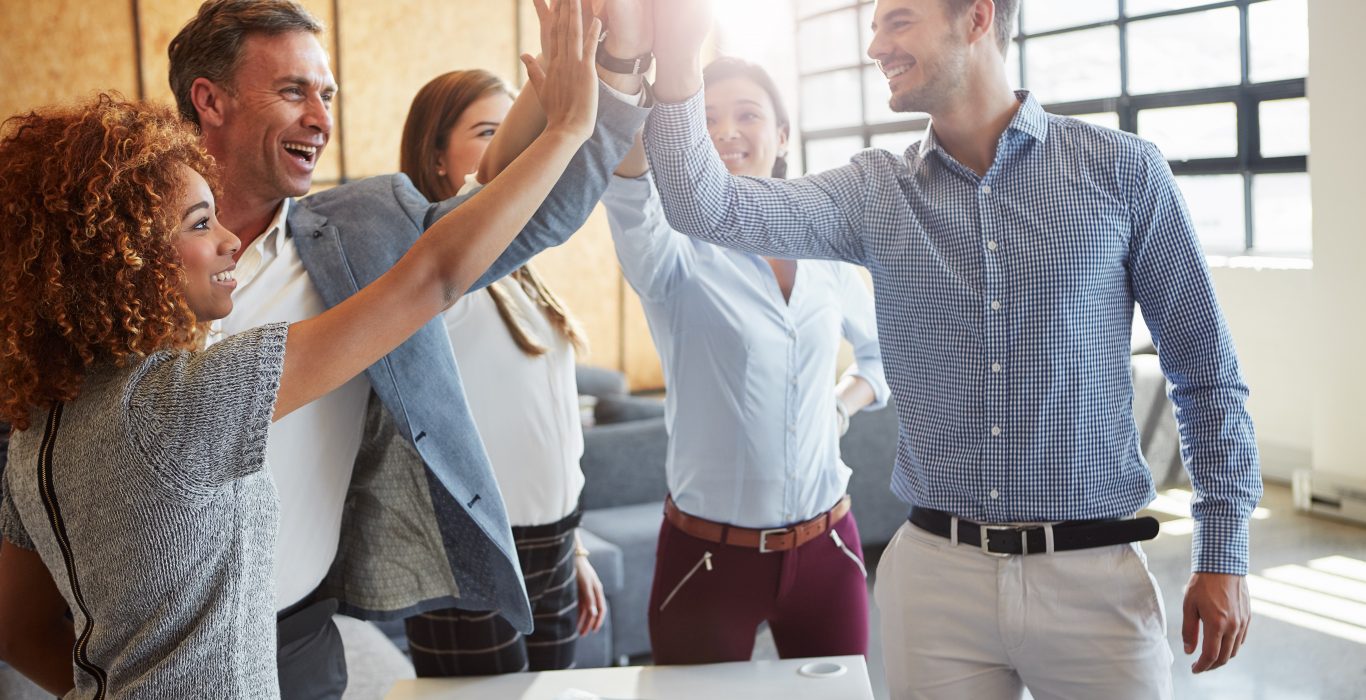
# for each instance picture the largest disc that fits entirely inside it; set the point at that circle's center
(1076, 625)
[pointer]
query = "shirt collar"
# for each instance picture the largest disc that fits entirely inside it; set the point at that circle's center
(278, 225)
(1029, 119)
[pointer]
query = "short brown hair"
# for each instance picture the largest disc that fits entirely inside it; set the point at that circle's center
(89, 269)
(1006, 11)
(210, 44)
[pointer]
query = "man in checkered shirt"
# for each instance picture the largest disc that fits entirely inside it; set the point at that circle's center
(1007, 252)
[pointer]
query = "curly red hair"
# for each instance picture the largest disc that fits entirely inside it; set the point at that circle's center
(89, 270)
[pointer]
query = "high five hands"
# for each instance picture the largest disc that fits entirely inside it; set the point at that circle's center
(680, 29)
(565, 77)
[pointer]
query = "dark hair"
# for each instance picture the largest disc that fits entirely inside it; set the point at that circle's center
(1006, 10)
(727, 67)
(426, 132)
(210, 44)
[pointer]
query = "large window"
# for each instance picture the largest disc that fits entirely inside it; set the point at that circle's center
(1218, 86)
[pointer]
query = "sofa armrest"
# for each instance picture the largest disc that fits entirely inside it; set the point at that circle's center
(599, 381)
(623, 409)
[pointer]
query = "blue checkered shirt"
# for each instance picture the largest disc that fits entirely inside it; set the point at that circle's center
(1005, 305)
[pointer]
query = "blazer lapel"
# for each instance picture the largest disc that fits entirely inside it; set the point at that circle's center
(320, 250)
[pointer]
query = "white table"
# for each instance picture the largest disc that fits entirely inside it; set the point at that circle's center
(751, 680)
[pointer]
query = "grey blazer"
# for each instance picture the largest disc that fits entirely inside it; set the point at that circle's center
(424, 526)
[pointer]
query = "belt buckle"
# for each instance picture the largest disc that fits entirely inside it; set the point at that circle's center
(985, 540)
(763, 538)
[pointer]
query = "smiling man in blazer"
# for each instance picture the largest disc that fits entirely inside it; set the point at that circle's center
(389, 510)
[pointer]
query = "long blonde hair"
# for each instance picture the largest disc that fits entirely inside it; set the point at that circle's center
(434, 112)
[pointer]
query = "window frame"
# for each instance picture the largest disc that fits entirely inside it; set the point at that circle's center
(1246, 96)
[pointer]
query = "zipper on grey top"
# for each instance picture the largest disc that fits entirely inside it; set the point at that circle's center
(80, 653)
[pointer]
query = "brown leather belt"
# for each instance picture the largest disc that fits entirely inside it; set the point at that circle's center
(778, 539)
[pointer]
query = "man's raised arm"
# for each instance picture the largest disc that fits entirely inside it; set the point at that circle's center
(816, 217)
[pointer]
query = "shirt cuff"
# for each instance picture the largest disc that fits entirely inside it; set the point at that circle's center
(636, 100)
(677, 126)
(1220, 546)
(881, 392)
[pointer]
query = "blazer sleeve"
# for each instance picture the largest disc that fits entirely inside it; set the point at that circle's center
(572, 199)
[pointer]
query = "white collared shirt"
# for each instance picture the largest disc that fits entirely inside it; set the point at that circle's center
(526, 408)
(311, 452)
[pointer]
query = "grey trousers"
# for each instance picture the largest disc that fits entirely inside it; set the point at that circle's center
(312, 662)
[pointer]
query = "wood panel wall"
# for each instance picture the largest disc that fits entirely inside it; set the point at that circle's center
(382, 52)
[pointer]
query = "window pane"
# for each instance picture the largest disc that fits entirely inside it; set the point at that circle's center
(1198, 131)
(1216, 208)
(898, 142)
(831, 100)
(828, 41)
(1285, 128)
(1134, 8)
(1073, 66)
(810, 7)
(1043, 15)
(1185, 52)
(824, 154)
(1278, 40)
(865, 25)
(875, 91)
(1109, 120)
(1282, 218)
(1013, 64)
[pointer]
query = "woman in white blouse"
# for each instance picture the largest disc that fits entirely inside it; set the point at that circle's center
(758, 527)
(515, 347)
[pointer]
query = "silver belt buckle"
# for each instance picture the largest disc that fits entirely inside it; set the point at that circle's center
(763, 538)
(985, 540)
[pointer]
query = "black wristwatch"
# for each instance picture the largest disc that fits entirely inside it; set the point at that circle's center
(626, 66)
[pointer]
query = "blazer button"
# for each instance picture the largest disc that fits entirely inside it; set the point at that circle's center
(317, 234)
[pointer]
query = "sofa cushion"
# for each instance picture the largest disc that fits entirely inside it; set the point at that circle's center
(623, 464)
(635, 530)
(605, 558)
(869, 448)
(599, 381)
(622, 409)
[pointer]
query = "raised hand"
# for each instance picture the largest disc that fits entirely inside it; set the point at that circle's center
(565, 78)
(681, 27)
(630, 27)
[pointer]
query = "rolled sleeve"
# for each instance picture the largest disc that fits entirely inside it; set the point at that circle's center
(860, 329)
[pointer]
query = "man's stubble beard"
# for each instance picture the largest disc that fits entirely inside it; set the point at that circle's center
(945, 78)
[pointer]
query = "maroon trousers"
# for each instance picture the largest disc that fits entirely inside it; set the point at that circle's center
(708, 599)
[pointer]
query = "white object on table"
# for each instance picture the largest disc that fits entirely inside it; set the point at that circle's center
(753, 680)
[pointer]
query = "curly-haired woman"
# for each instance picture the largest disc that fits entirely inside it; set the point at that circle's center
(136, 482)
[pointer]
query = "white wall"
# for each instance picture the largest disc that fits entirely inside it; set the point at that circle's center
(1272, 331)
(1339, 278)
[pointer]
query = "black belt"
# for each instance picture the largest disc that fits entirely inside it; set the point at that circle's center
(1003, 540)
